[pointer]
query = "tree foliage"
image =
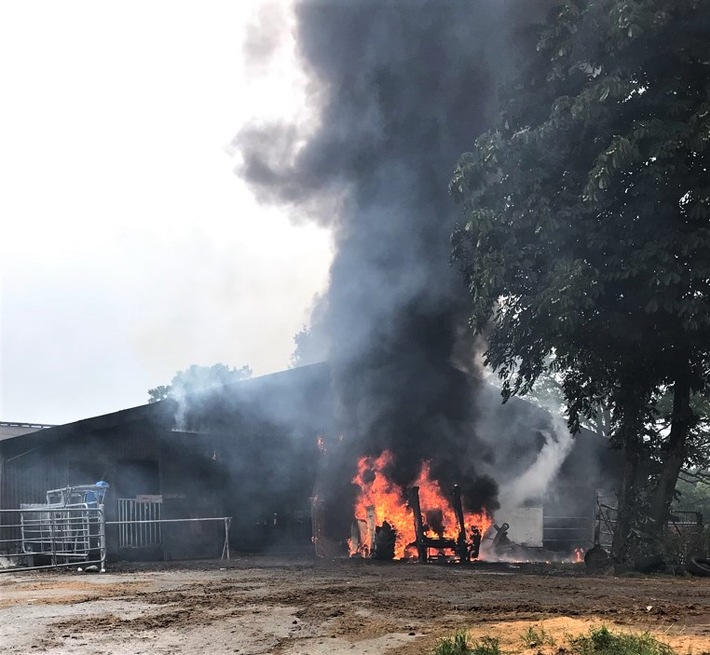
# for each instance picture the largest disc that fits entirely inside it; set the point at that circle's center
(694, 497)
(547, 393)
(198, 378)
(587, 229)
(309, 347)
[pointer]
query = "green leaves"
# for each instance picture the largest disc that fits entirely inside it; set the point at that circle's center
(587, 206)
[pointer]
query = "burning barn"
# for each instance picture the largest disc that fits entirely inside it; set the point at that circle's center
(495, 481)
(398, 91)
(268, 455)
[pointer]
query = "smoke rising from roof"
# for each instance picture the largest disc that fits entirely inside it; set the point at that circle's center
(402, 88)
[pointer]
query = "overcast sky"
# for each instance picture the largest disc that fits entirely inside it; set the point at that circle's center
(129, 249)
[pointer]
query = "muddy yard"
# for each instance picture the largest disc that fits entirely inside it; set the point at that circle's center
(256, 605)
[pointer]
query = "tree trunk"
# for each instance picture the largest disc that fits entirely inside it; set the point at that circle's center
(674, 453)
(632, 402)
(620, 547)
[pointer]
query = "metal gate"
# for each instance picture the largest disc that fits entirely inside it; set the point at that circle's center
(67, 530)
(139, 522)
(606, 519)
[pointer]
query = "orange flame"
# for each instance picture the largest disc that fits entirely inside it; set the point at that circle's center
(386, 502)
(578, 555)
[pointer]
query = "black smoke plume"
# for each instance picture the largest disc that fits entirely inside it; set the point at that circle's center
(403, 88)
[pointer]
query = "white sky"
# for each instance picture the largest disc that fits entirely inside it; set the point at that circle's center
(128, 247)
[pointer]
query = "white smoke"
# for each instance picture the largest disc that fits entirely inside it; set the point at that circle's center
(534, 482)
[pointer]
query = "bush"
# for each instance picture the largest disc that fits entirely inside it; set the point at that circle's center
(599, 641)
(602, 642)
(536, 636)
(459, 644)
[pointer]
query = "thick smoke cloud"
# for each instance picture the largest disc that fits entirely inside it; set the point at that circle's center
(402, 88)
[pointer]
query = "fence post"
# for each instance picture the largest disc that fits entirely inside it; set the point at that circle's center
(225, 547)
(102, 537)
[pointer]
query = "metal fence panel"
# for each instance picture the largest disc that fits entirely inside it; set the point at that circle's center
(58, 535)
(138, 523)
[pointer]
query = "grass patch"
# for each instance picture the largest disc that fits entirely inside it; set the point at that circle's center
(486, 646)
(536, 636)
(602, 642)
(598, 641)
(460, 644)
(456, 644)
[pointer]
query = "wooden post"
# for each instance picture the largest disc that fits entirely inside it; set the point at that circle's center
(461, 543)
(418, 525)
(371, 528)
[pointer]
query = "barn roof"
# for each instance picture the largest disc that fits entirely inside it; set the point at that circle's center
(273, 385)
(11, 429)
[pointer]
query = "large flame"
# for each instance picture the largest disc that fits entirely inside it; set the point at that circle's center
(381, 500)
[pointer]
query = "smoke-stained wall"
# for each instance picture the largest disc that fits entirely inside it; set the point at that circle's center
(401, 89)
(248, 451)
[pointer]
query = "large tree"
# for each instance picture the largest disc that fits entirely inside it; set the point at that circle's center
(587, 231)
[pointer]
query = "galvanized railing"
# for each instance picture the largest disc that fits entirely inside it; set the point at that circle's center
(138, 523)
(55, 536)
(45, 537)
(132, 528)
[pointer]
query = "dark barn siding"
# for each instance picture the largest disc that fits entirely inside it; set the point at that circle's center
(250, 454)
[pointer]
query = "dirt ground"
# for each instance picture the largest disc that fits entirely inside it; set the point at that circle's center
(255, 605)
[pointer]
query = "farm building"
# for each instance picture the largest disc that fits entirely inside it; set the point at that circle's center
(250, 451)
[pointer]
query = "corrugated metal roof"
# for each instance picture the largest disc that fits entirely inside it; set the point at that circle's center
(166, 408)
(10, 429)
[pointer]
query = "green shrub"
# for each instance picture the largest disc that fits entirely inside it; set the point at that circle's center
(459, 644)
(602, 642)
(487, 646)
(599, 641)
(536, 636)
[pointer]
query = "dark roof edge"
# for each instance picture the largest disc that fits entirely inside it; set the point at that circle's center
(149, 410)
